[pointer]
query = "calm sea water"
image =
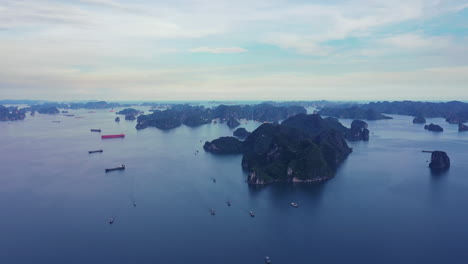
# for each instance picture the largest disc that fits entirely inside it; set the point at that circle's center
(383, 206)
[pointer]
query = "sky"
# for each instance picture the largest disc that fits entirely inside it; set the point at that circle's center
(234, 50)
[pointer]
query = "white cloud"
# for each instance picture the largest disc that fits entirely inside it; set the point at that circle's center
(415, 41)
(45, 43)
(218, 50)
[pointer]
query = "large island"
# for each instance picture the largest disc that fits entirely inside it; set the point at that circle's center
(304, 148)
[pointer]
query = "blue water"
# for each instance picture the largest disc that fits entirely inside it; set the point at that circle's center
(383, 206)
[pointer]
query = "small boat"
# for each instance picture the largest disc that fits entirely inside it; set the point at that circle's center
(295, 205)
(229, 203)
(214, 180)
(267, 260)
(68, 115)
(95, 130)
(134, 204)
(92, 112)
(95, 151)
(79, 117)
(116, 168)
(113, 136)
(117, 119)
(55, 121)
(251, 214)
(111, 220)
(212, 211)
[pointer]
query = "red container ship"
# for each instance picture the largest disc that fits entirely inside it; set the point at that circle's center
(113, 136)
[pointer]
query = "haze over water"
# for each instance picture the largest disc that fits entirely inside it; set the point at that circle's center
(383, 206)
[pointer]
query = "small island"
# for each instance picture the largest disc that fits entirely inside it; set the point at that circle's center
(129, 111)
(439, 160)
(433, 127)
(419, 120)
(241, 133)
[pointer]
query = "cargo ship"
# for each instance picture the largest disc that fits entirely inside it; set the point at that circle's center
(113, 136)
(122, 167)
(95, 130)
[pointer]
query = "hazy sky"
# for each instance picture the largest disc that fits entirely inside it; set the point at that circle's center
(238, 49)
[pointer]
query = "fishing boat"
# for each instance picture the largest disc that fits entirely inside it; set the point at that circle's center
(111, 220)
(212, 211)
(95, 151)
(267, 260)
(295, 205)
(95, 130)
(113, 136)
(122, 167)
(251, 214)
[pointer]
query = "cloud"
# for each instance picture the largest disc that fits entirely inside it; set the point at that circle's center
(218, 50)
(415, 41)
(295, 47)
(300, 44)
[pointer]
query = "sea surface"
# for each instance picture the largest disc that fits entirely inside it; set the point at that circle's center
(383, 206)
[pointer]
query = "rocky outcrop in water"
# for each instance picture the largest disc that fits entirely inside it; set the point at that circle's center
(462, 127)
(232, 123)
(433, 127)
(241, 133)
(224, 145)
(419, 120)
(358, 131)
(439, 160)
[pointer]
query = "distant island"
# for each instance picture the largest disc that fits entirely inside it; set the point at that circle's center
(171, 115)
(11, 113)
(303, 148)
(199, 115)
(454, 112)
(354, 112)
